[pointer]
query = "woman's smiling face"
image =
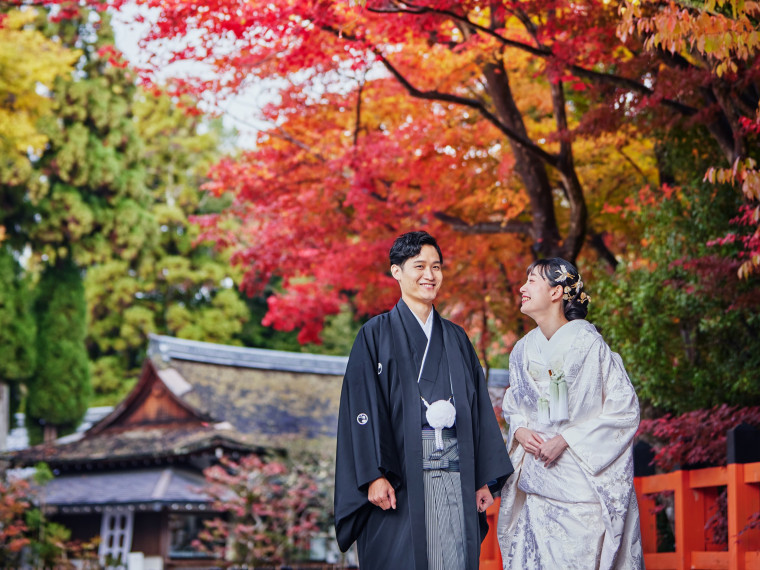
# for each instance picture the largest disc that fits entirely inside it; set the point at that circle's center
(536, 294)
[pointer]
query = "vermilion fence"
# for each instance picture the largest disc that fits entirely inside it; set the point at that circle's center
(695, 495)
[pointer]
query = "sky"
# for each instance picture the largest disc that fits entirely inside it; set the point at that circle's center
(240, 112)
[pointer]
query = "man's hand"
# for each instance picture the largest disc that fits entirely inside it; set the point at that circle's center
(381, 494)
(529, 439)
(549, 451)
(483, 498)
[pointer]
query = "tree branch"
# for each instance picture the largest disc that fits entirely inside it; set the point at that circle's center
(291, 139)
(546, 53)
(631, 85)
(596, 240)
(357, 126)
(457, 223)
(418, 10)
(576, 231)
(531, 147)
(635, 166)
(473, 104)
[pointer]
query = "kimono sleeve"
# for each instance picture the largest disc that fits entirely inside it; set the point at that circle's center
(598, 441)
(363, 454)
(515, 417)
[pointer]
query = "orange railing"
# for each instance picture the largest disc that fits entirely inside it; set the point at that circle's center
(695, 495)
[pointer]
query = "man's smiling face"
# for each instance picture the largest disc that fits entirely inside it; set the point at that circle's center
(420, 277)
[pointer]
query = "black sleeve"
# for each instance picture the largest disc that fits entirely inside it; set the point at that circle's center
(363, 454)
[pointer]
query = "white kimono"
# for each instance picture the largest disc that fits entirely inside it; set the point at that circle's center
(581, 512)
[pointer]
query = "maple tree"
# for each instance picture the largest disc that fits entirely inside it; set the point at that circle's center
(13, 504)
(27, 538)
(697, 437)
(502, 127)
(271, 509)
(352, 159)
(484, 122)
(674, 309)
(717, 42)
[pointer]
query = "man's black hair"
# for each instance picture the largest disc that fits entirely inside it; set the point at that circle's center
(409, 245)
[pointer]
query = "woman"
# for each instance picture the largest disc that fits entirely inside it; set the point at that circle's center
(572, 415)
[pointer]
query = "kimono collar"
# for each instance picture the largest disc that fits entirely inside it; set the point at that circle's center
(418, 341)
(554, 350)
(427, 326)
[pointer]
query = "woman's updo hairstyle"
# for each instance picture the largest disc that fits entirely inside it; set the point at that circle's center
(557, 271)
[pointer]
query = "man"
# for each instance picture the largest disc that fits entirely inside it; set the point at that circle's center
(419, 448)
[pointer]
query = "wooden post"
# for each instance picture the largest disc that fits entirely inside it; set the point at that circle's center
(743, 501)
(752, 477)
(648, 518)
(49, 433)
(706, 482)
(690, 520)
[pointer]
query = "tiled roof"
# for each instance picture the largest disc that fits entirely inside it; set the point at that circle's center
(217, 395)
(156, 485)
(268, 403)
(169, 348)
(153, 444)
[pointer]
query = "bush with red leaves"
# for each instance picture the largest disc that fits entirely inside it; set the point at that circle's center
(695, 438)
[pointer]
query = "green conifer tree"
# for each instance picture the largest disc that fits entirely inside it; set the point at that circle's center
(176, 286)
(90, 195)
(686, 326)
(59, 390)
(17, 329)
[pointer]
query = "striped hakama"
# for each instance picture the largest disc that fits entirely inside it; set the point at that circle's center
(444, 514)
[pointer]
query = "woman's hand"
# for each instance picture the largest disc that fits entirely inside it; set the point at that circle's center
(529, 439)
(550, 450)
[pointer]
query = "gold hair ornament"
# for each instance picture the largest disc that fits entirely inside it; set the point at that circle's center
(571, 291)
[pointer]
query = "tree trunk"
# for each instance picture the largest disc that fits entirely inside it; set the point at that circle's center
(530, 169)
(49, 434)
